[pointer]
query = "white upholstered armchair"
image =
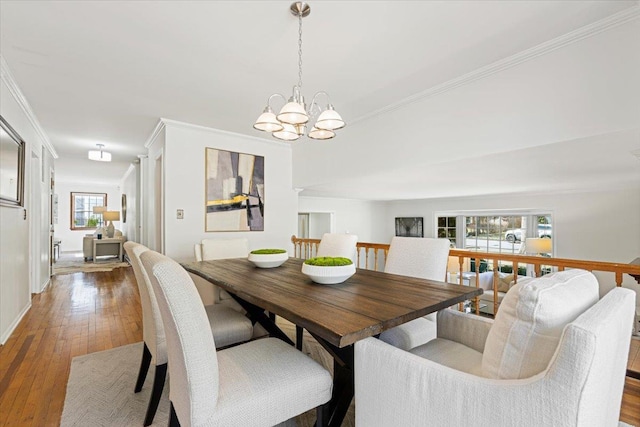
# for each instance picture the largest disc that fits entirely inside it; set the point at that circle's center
(523, 369)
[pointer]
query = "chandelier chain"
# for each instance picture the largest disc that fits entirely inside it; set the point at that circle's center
(300, 51)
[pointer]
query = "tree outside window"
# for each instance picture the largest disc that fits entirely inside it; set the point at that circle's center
(82, 204)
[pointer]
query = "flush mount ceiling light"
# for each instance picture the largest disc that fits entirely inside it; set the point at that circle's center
(291, 121)
(99, 155)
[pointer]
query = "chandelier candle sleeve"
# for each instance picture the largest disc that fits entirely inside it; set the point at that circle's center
(290, 123)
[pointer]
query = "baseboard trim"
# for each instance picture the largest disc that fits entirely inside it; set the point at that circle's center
(5, 336)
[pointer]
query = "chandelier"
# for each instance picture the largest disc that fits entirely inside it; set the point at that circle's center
(291, 122)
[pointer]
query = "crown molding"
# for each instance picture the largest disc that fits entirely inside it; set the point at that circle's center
(154, 134)
(14, 89)
(184, 125)
(592, 29)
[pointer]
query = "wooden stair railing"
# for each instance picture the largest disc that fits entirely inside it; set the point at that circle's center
(636, 276)
(371, 256)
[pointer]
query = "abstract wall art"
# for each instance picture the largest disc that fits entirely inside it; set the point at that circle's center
(234, 191)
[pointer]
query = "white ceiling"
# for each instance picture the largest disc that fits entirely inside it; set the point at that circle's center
(105, 72)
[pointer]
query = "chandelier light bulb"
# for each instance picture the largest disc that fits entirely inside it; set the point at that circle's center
(288, 133)
(330, 119)
(293, 113)
(320, 134)
(267, 121)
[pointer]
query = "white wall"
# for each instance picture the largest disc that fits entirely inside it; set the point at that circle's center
(184, 188)
(15, 289)
(129, 187)
(152, 219)
(72, 239)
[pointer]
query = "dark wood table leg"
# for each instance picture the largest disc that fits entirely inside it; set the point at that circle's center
(257, 315)
(299, 335)
(343, 381)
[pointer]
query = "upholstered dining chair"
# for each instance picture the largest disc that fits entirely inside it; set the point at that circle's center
(261, 383)
(332, 245)
(338, 245)
(212, 249)
(425, 258)
(555, 355)
(227, 325)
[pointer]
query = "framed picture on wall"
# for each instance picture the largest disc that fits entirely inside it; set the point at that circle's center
(409, 227)
(234, 191)
(11, 166)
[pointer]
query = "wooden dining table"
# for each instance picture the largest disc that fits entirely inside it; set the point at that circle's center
(337, 316)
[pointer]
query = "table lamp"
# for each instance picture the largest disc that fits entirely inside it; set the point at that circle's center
(538, 245)
(111, 216)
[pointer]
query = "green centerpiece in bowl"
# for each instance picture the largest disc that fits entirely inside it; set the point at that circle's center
(268, 258)
(328, 270)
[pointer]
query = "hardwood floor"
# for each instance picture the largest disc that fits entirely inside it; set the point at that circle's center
(87, 312)
(77, 314)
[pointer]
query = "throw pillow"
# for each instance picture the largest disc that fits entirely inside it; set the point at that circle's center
(532, 316)
(504, 280)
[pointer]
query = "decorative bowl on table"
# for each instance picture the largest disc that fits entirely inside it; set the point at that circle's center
(268, 258)
(328, 270)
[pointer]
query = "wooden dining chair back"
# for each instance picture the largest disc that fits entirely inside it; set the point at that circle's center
(263, 382)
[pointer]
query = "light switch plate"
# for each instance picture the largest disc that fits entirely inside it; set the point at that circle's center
(180, 213)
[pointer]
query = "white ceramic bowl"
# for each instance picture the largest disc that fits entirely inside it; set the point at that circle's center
(268, 260)
(329, 275)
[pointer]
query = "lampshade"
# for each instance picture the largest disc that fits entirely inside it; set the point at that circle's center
(329, 119)
(538, 245)
(293, 113)
(316, 133)
(111, 216)
(288, 133)
(268, 122)
(99, 155)
(99, 209)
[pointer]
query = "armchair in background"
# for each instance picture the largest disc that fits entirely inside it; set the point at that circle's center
(505, 282)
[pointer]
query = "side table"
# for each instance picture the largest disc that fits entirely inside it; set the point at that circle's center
(107, 247)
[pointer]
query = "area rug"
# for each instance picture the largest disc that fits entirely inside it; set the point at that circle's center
(100, 389)
(75, 263)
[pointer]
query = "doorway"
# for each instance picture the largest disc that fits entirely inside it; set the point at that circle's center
(158, 205)
(312, 225)
(34, 225)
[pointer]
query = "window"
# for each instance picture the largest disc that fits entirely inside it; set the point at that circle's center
(447, 228)
(82, 204)
(494, 233)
